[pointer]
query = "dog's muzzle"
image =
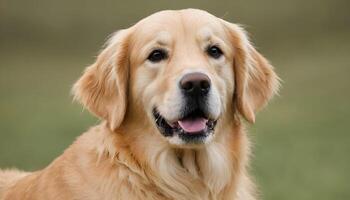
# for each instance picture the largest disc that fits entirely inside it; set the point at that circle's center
(193, 124)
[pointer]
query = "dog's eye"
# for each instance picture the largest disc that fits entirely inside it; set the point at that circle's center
(214, 52)
(157, 55)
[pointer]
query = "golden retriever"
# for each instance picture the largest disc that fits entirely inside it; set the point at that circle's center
(172, 91)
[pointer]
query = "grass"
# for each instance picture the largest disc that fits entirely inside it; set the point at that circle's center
(302, 137)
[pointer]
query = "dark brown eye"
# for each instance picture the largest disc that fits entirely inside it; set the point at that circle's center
(157, 55)
(214, 52)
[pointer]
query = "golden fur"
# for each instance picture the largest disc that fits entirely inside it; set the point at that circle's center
(125, 157)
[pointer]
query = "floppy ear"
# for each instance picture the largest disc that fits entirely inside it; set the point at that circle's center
(102, 89)
(255, 79)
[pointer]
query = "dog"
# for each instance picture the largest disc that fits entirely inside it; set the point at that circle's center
(172, 92)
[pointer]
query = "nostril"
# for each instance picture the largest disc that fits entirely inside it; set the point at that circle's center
(205, 85)
(187, 86)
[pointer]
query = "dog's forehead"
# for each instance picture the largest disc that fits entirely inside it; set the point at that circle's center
(166, 25)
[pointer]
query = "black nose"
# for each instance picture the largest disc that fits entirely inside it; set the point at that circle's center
(195, 84)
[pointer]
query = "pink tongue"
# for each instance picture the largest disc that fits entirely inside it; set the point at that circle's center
(193, 125)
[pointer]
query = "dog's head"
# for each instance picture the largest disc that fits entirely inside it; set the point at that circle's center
(180, 72)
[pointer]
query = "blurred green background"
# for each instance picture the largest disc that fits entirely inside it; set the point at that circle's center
(302, 139)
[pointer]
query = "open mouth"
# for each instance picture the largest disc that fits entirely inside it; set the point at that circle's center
(194, 127)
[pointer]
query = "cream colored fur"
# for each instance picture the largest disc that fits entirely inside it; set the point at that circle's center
(125, 157)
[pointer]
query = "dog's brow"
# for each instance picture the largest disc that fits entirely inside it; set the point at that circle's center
(205, 34)
(163, 38)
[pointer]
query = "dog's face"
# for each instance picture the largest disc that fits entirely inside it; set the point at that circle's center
(185, 71)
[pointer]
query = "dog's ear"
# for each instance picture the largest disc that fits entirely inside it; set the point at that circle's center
(102, 89)
(255, 79)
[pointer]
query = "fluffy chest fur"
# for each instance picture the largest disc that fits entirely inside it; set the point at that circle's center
(99, 166)
(161, 172)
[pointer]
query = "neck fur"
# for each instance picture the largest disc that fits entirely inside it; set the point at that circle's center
(199, 174)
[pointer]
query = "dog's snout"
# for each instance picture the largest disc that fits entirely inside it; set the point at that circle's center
(195, 83)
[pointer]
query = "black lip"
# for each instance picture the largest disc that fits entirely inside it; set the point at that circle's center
(168, 131)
